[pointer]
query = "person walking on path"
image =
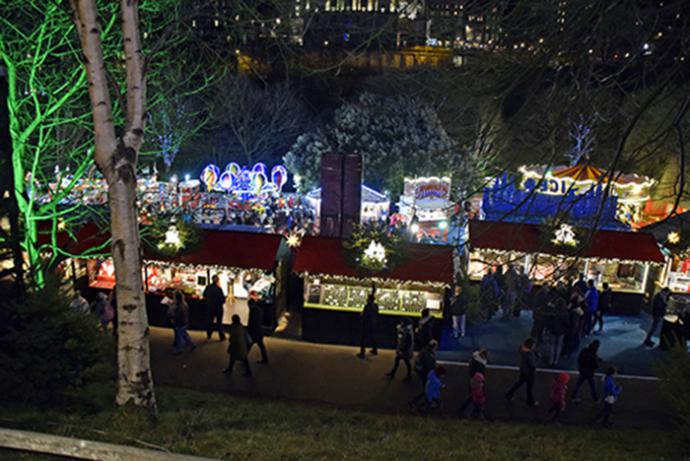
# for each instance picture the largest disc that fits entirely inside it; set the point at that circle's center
(425, 329)
(432, 389)
(368, 319)
(592, 304)
(477, 363)
(477, 396)
(404, 349)
(528, 371)
(458, 309)
(255, 326)
(524, 287)
(559, 391)
(238, 346)
(605, 305)
(426, 361)
(658, 311)
(215, 298)
(611, 393)
(588, 361)
(180, 319)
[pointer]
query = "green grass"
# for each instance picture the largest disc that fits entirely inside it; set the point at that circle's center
(238, 428)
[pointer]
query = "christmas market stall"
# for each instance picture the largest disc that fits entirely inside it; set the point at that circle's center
(628, 261)
(426, 207)
(339, 274)
(185, 260)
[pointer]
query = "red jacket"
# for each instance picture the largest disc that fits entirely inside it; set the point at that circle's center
(477, 391)
(559, 390)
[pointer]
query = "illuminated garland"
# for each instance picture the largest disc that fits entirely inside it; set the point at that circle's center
(373, 249)
(378, 281)
(512, 253)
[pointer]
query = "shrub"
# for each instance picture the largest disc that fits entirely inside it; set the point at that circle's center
(47, 348)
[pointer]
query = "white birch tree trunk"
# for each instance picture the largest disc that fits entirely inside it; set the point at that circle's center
(116, 158)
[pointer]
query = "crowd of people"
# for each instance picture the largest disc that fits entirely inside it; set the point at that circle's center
(564, 314)
(274, 213)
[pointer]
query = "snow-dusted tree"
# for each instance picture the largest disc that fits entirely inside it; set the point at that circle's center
(396, 137)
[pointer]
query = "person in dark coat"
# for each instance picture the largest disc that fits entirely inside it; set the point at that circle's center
(592, 305)
(524, 290)
(571, 342)
(369, 316)
(180, 319)
(605, 305)
(581, 285)
(658, 311)
(542, 305)
(426, 361)
(587, 362)
(215, 299)
(238, 346)
(488, 294)
(458, 309)
(557, 323)
(477, 364)
(510, 294)
(425, 329)
(528, 371)
(255, 325)
(404, 349)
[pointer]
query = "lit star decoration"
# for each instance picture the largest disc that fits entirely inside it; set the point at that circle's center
(376, 252)
(565, 235)
(172, 238)
(294, 240)
(673, 237)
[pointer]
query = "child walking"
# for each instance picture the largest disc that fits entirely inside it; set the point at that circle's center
(611, 393)
(433, 388)
(559, 390)
(478, 396)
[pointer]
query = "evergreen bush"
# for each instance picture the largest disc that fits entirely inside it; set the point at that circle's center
(48, 349)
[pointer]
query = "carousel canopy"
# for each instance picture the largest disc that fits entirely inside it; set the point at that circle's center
(246, 250)
(584, 172)
(528, 238)
(422, 263)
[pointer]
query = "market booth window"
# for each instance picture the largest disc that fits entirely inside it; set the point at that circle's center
(335, 292)
(624, 260)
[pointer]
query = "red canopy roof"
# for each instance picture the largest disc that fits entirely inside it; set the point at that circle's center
(422, 263)
(245, 250)
(527, 238)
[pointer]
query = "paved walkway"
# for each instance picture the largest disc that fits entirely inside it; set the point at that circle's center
(334, 375)
(621, 343)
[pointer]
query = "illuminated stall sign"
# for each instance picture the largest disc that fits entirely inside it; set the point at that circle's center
(428, 188)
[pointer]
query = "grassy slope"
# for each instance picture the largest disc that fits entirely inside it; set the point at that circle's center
(228, 427)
